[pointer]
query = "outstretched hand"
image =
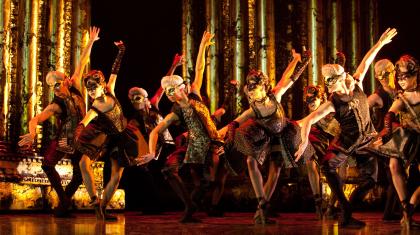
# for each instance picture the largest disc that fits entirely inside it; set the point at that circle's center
(206, 40)
(296, 56)
(178, 60)
(387, 36)
(26, 141)
(301, 150)
(120, 44)
(94, 33)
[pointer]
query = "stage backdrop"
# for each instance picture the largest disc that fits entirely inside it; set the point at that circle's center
(38, 36)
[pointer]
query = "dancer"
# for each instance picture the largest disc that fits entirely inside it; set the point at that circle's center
(350, 105)
(321, 134)
(108, 132)
(202, 147)
(230, 162)
(69, 108)
(379, 103)
(147, 117)
(403, 143)
(265, 133)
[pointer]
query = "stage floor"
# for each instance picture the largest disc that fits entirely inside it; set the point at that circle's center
(232, 223)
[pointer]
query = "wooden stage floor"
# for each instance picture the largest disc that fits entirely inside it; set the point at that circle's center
(232, 223)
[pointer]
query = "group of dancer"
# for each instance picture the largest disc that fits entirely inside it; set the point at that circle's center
(337, 127)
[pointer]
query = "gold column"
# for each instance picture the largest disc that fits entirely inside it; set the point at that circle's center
(333, 29)
(5, 56)
(271, 49)
(313, 67)
(80, 34)
(252, 50)
(9, 65)
(354, 35)
(373, 32)
(64, 36)
(262, 35)
(24, 65)
(239, 42)
(33, 60)
(212, 62)
(187, 38)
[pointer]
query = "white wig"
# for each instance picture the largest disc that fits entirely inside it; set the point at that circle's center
(331, 70)
(137, 91)
(173, 80)
(54, 76)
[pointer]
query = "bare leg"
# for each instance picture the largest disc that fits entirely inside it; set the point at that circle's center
(398, 178)
(257, 183)
(87, 175)
(273, 176)
(256, 177)
(313, 177)
(111, 187)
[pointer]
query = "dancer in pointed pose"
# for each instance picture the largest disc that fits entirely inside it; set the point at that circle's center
(69, 109)
(403, 143)
(351, 108)
(105, 128)
(202, 151)
(263, 132)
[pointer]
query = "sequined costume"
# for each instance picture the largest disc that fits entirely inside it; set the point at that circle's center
(357, 130)
(321, 134)
(273, 134)
(110, 132)
(202, 132)
(378, 114)
(72, 111)
(405, 141)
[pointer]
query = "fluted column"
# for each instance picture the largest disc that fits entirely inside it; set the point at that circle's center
(187, 38)
(212, 61)
(373, 32)
(313, 31)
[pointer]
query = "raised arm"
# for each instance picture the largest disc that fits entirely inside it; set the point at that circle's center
(287, 79)
(371, 54)
(178, 60)
(50, 110)
(116, 66)
(160, 128)
(201, 62)
(76, 78)
(306, 123)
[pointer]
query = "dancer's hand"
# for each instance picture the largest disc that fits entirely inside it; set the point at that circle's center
(301, 150)
(206, 40)
(120, 45)
(94, 33)
(377, 142)
(26, 141)
(178, 60)
(387, 36)
(143, 159)
(296, 56)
